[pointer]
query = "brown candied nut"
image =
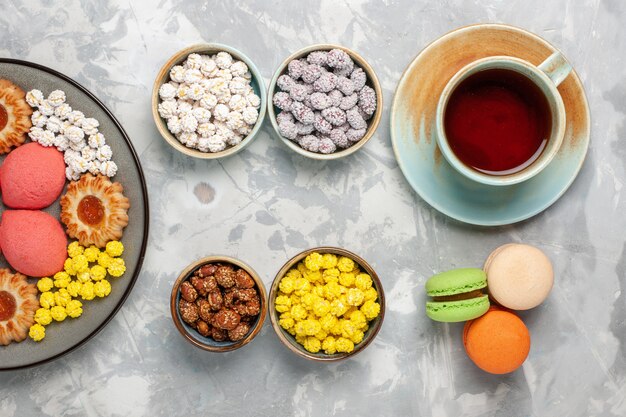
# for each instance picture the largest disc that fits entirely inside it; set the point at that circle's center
(253, 307)
(229, 298)
(239, 332)
(215, 300)
(204, 310)
(188, 292)
(203, 328)
(188, 311)
(207, 270)
(246, 295)
(226, 319)
(219, 335)
(202, 285)
(241, 309)
(225, 276)
(243, 279)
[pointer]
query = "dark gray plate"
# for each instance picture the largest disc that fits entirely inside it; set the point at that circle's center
(63, 337)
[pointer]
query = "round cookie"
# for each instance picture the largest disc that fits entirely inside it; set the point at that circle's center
(32, 177)
(497, 342)
(519, 276)
(33, 242)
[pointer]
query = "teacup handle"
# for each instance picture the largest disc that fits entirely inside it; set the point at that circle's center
(556, 68)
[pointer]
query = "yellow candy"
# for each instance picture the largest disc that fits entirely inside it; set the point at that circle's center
(92, 253)
(301, 267)
(286, 323)
(355, 297)
(68, 266)
(116, 267)
(344, 345)
(62, 297)
(43, 316)
(357, 337)
(321, 307)
(58, 313)
(346, 279)
(370, 294)
(332, 290)
(311, 327)
(61, 279)
(358, 318)
(45, 284)
(313, 276)
(328, 322)
(339, 307)
(83, 277)
(283, 303)
(104, 259)
(331, 275)
(37, 332)
(46, 299)
(73, 288)
(299, 328)
(301, 286)
(329, 345)
(293, 273)
(74, 309)
(286, 284)
(308, 299)
(97, 272)
(102, 288)
(298, 312)
(363, 282)
(74, 249)
(345, 264)
(348, 329)
(312, 344)
(87, 291)
(370, 309)
(80, 263)
(115, 248)
(313, 261)
(329, 261)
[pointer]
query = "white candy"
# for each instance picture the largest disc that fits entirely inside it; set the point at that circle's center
(108, 168)
(76, 117)
(235, 140)
(253, 100)
(223, 60)
(167, 91)
(184, 107)
(74, 134)
(53, 124)
(34, 98)
(62, 111)
(94, 168)
(209, 101)
(46, 108)
(196, 91)
(56, 98)
(206, 129)
(71, 175)
(36, 133)
(90, 125)
(208, 68)
(62, 143)
(244, 130)
(192, 76)
(189, 139)
(104, 153)
(237, 103)
(177, 73)
(88, 154)
(97, 140)
(224, 97)
(202, 115)
(216, 143)
(234, 120)
(224, 131)
(77, 146)
(189, 123)
(167, 108)
(237, 87)
(221, 112)
(174, 125)
(38, 119)
(225, 74)
(250, 115)
(47, 139)
(238, 69)
(70, 156)
(193, 61)
(182, 92)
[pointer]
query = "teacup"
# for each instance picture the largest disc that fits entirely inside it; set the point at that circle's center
(483, 155)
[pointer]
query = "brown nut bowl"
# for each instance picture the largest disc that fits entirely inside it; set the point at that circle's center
(290, 342)
(207, 343)
(372, 81)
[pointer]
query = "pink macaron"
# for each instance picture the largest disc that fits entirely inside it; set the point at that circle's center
(519, 276)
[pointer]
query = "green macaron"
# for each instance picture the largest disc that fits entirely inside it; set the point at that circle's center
(457, 295)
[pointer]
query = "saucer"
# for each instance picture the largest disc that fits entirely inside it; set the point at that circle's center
(413, 130)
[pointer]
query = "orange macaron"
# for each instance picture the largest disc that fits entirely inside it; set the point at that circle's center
(497, 342)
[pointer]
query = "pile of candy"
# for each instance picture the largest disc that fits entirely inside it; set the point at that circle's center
(326, 302)
(77, 279)
(56, 124)
(209, 103)
(325, 102)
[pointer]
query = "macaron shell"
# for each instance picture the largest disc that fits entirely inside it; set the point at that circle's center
(498, 342)
(456, 281)
(457, 311)
(494, 253)
(520, 277)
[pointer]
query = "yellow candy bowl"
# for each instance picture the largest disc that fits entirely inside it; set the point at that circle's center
(290, 341)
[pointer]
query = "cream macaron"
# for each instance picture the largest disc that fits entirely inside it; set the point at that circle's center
(519, 276)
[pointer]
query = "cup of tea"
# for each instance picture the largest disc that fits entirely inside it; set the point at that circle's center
(500, 120)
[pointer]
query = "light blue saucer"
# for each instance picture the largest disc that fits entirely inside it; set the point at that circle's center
(413, 129)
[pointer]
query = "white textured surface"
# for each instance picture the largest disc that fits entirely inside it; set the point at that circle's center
(269, 204)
